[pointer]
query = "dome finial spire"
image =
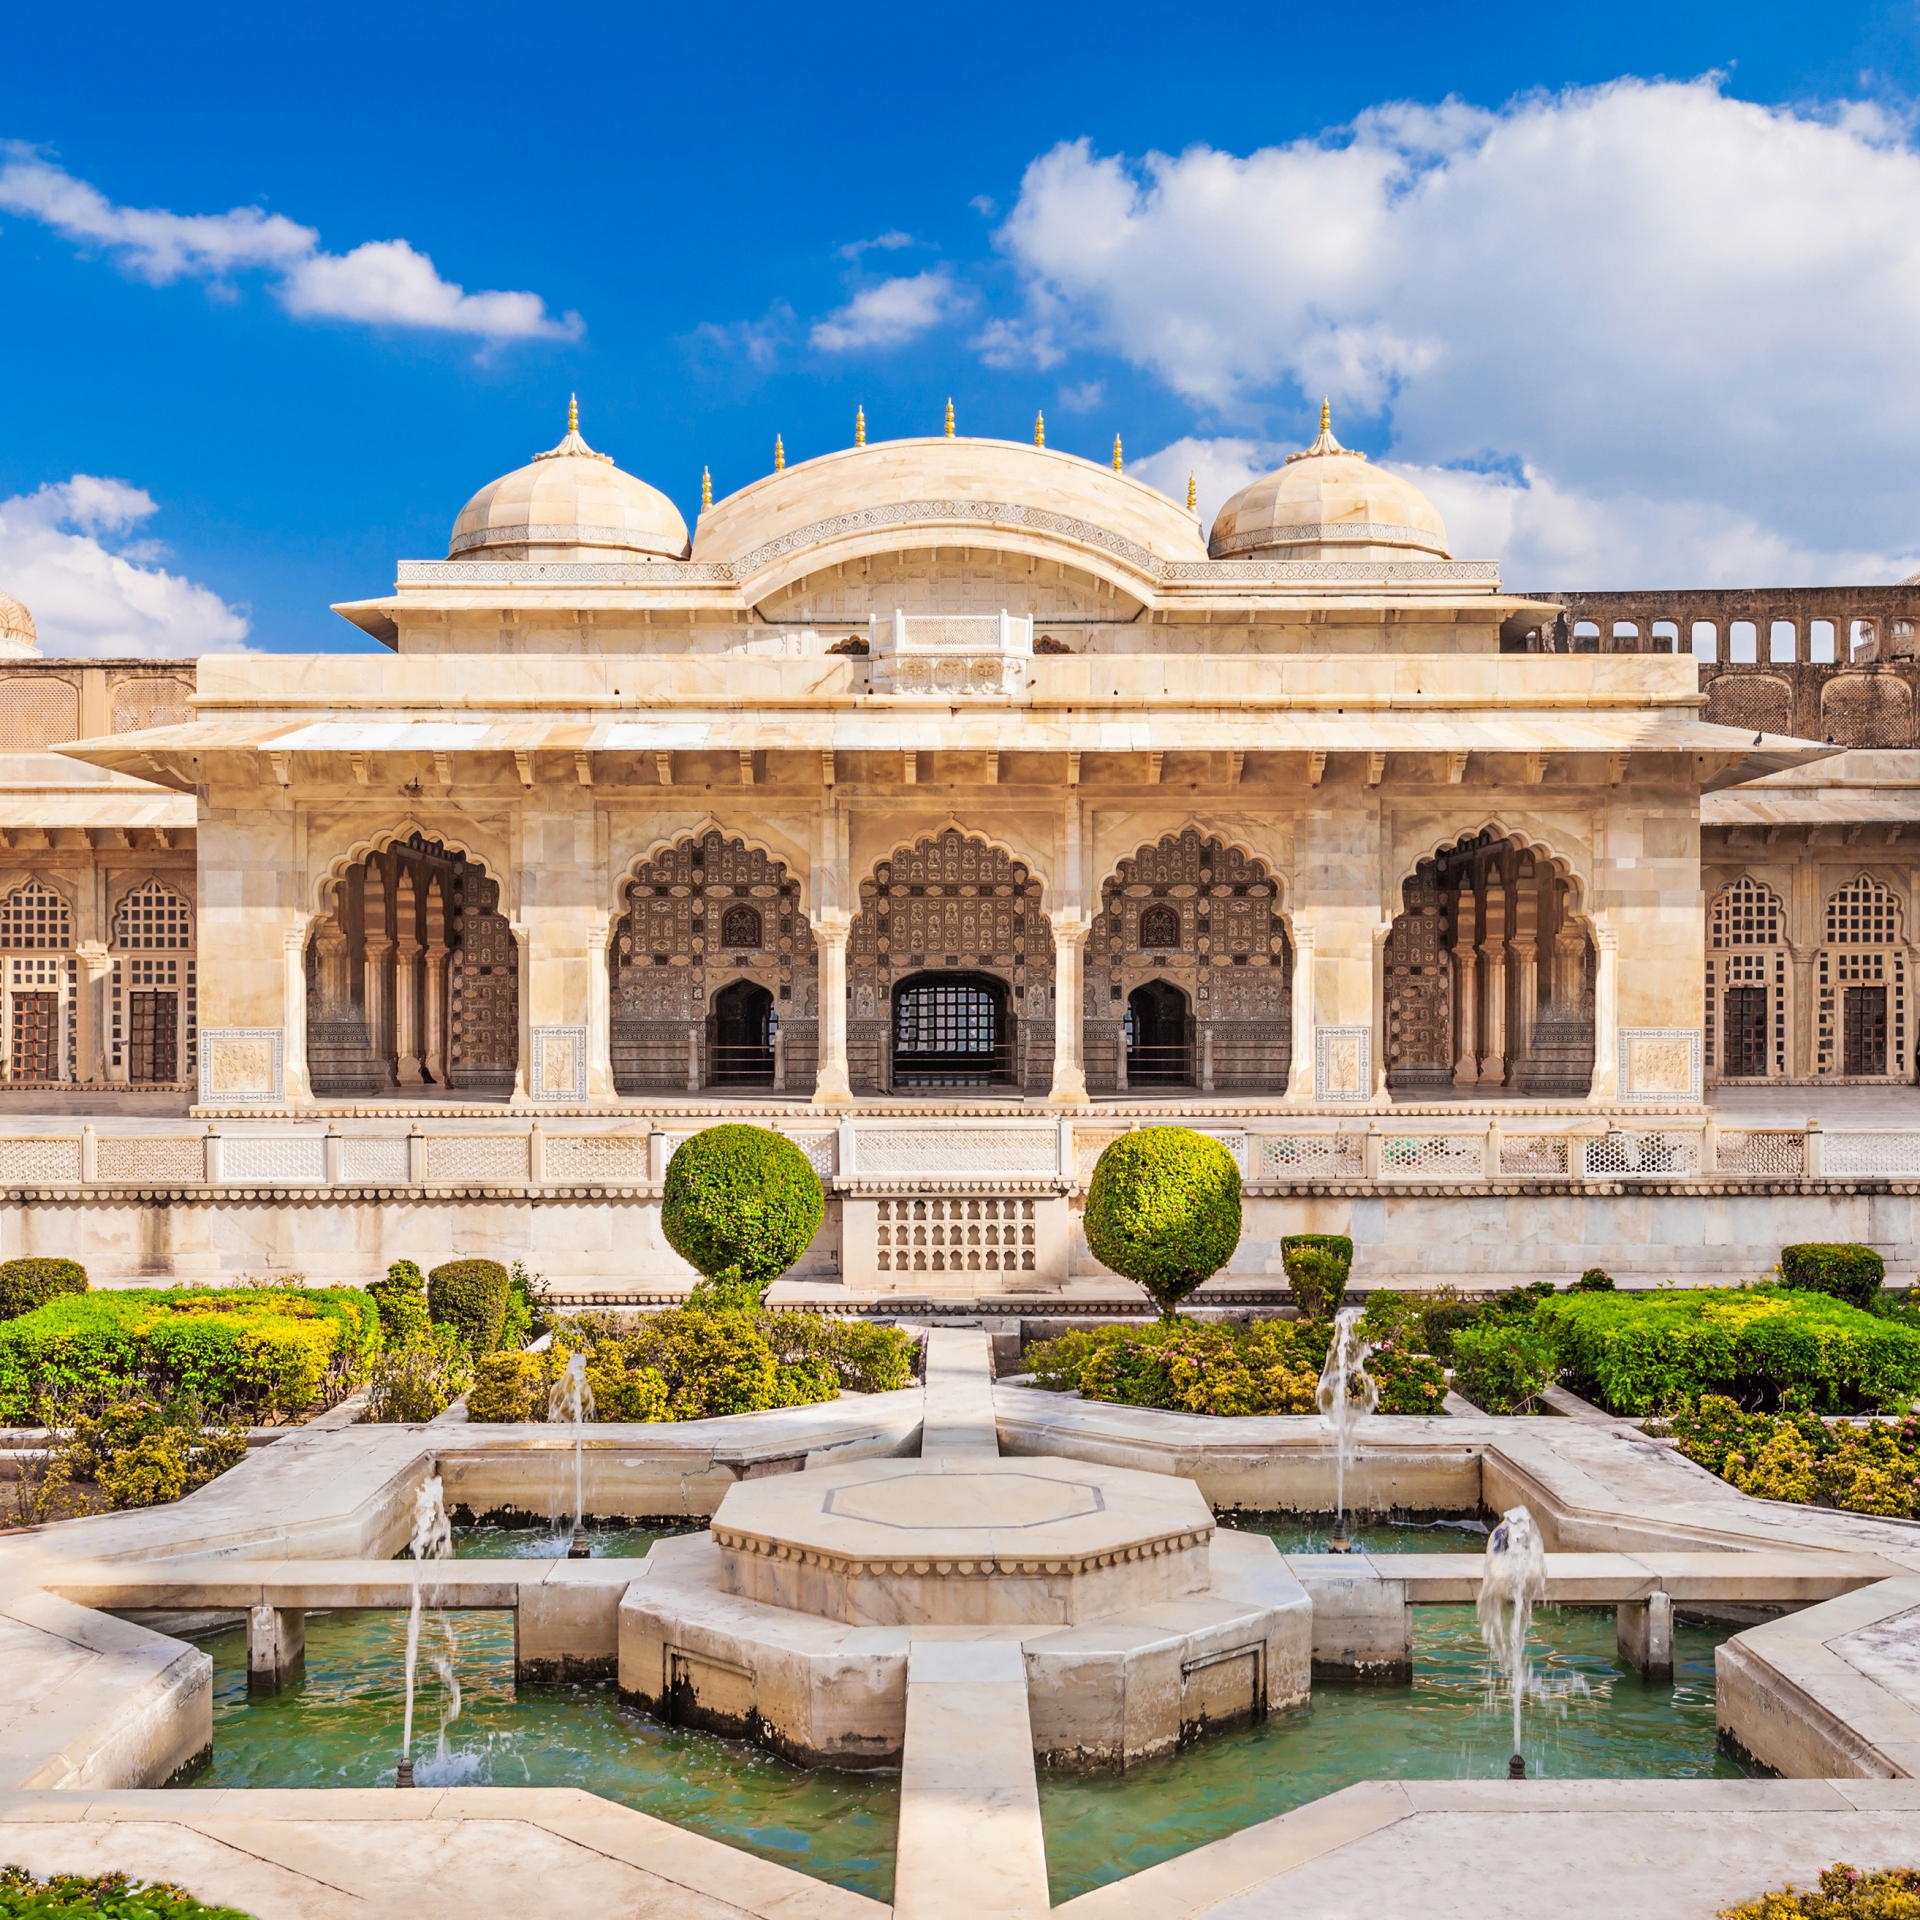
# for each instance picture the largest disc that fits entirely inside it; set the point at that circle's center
(1040, 428)
(860, 426)
(779, 455)
(1116, 454)
(949, 416)
(573, 413)
(706, 488)
(1193, 493)
(1326, 443)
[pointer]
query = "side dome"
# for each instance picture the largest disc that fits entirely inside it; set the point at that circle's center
(18, 635)
(568, 504)
(1327, 503)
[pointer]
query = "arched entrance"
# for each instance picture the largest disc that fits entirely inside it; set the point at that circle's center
(950, 910)
(709, 910)
(740, 1035)
(1159, 1034)
(951, 1030)
(413, 978)
(1489, 976)
(1198, 920)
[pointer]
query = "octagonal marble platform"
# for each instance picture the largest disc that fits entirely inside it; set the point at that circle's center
(966, 1540)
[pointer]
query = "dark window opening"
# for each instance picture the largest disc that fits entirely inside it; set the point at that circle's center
(740, 927)
(1865, 1032)
(952, 1030)
(1160, 927)
(1744, 1013)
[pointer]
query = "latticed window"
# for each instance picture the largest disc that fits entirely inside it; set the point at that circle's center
(153, 917)
(1746, 915)
(35, 919)
(1861, 915)
(1160, 927)
(1862, 985)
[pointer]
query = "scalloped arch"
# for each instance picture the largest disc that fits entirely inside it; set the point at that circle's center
(336, 868)
(908, 843)
(1236, 842)
(1562, 864)
(796, 865)
(118, 899)
(1884, 883)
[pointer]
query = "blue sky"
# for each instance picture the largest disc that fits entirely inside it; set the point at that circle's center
(1634, 290)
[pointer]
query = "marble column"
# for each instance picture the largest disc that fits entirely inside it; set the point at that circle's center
(1493, 956)
(378, 947)
(1606, 1015)
(1525, 949)
(1070, 930)
(298, 1082)
(406, 983)
(830, 931)
(94, 1051)
(436, 985)
(1803, 1013)
(1466, 987)
(1300, 1066)
(330, 941)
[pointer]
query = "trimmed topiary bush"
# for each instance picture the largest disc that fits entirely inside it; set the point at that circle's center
(27, 1284)
(402, 1300)
(470, 1296)
(1849, 1273)
(742, 1205)
(1163, 1209)
(1317, 1265)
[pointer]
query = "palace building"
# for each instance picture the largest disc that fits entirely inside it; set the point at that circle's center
(957, 767)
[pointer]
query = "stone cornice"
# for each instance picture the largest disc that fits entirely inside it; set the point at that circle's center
(983, 1566)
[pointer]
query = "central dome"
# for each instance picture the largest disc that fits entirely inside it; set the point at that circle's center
(1327, 503)
(17, 635)
(569, 504)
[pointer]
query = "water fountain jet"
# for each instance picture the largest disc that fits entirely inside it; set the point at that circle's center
(571, 1399)
(1515, 1581)
(1343, 1408)
(432, 1539)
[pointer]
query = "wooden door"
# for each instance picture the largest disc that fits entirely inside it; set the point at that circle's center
(1864, 1036)
(36, 1036)
(154, 1031)
(1743, 1012)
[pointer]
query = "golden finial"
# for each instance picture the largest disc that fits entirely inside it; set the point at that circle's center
(949, 416)
(1039, 429)
(859, 426)
(1116, 454)
(779, 455)
(706, 488)
(1193, 494)
(1326, 415)
(573, 413)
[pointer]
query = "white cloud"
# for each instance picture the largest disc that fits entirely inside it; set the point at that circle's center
(1688, 318)
(889, 314)
(1220, 468)
(1085, 397)
(86, 598)
(752, 344)
(889, 242)
(382, 283)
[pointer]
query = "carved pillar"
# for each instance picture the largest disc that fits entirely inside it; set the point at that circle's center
(436, 985)
(1070, 930)
(406, 983)
(830, 931)
(1526, 959)
(96, 986)
(1606, 1015)
(378, 946)
(1300, 1071)
(298, 1081)
(1493, 953)
(1802, 1012)
(1466, 988)
(330, 941)
(1569, 968)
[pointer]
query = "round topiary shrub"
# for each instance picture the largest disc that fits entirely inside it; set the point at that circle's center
(470, 1296)
(1317, 1267)
(26, 1284)
(1163, 1209)
(1850, 1273)
(742, 1205)
(402, 1300)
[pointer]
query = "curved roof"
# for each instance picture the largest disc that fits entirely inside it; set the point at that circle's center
(568, 503)
(1328, 503)
(946, 492)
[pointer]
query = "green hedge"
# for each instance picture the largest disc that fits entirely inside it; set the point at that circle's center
(1163, 1209)
(741, 1205)
(1503, 1366)
(1640, 1353)
(27, 1284)
(1318, 1266)
(1850, 1273)
(1188, 1366)
(698, 1363)
(471, 1297)
(1798, 1457)
(107, 1896)
(402, 1300)
(241, 1354)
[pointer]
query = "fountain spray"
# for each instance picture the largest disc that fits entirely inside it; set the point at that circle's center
(1347, 1394)
(1515, 1581)
(432, 1540)
(571, 1399)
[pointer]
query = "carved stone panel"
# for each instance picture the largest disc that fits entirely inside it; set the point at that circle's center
(485, 999)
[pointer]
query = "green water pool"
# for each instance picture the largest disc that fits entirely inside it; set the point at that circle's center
(340, 1727)
(497, 1540)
